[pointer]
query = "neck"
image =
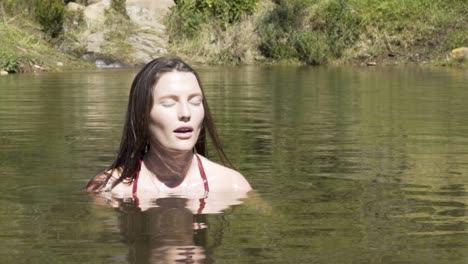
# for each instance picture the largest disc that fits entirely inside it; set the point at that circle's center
(169, 167)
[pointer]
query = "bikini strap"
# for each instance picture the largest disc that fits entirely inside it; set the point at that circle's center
(203, 175)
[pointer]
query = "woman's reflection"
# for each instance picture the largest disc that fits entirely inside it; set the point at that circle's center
(165, 233)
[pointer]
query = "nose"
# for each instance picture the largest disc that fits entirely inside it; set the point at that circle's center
(184, 112)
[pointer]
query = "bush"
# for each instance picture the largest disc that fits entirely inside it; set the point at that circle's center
(457, 39)
(278, 28)
(311, 48)
(186, 17)
(226, 11)
(50, 15)
(184, 21)
(340, 24)
(310, 31)
(9, 63)
(14, 7)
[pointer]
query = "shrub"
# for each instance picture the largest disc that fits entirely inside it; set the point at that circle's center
(340, 24)
(186, 17)
(13, 7)
(457, 39)
(311, 48)
(279, 27)
(50, 15)
(226, 11)
(183, 21)
(9, 63)
(310, 31)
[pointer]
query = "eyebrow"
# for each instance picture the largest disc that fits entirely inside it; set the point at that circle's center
(175, 97)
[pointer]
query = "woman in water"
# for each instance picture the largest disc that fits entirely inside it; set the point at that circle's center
(163, 146)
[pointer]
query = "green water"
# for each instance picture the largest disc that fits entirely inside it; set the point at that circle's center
(350, 165)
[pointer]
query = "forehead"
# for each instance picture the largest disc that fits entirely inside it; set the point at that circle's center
(177, 83)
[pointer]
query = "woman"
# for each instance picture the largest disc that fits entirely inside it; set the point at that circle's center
(164, 139)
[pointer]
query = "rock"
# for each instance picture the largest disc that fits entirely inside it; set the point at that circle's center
(460, 53)
(3, 72)
(94, 15)
(148, 11)
(147, 46)
(59, 64)
(74, 7)
(371, 63)
(94, 41)
(40, 68)
(148, 39)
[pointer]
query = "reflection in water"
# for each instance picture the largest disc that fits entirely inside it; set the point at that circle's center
(166, 233)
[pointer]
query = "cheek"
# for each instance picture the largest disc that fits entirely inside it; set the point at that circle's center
(159, 119)
(201, 116)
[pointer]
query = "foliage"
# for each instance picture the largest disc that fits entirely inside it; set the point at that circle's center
(188, 16)
(339, 22)
(457, 39)
(311, 49)
(226, 11)
(14, 7)
(308, 31)
(50, 15)
(9, 63)
(279, 27)
(183, 21)
(212, 29)
(317, 31)
(22, 47)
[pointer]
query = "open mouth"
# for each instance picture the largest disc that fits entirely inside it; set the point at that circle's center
(183, 130)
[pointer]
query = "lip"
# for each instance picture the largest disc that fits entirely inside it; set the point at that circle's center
(183, 132)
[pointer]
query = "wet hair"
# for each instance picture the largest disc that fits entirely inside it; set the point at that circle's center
(136, 135)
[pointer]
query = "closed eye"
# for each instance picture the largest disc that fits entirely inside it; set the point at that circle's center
(196, 101)
(168, 103)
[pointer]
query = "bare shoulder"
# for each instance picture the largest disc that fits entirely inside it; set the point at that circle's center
(222, 178)
(98, 182)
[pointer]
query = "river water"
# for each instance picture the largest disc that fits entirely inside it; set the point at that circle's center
(349, 165)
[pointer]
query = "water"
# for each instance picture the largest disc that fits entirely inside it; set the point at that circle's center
(350, 165)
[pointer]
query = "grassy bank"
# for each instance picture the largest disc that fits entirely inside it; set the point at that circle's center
(318, 32)
(44, 35)
(313, 32)
(23, 49)
(30, 33)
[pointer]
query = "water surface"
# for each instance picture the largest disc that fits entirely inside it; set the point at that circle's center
(350, 165)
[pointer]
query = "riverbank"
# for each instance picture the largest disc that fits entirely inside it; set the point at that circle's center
(23, 49)
(250, 32)
(322, 32)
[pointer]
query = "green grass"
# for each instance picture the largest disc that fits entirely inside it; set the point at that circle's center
(313, 32)
(332, 31)
(23, 48)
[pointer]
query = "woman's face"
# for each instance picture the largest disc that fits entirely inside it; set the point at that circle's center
(177, 114)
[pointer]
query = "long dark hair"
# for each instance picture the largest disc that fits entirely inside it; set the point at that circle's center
(135, 136)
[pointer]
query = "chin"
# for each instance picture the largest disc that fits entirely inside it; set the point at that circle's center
(183, 147)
